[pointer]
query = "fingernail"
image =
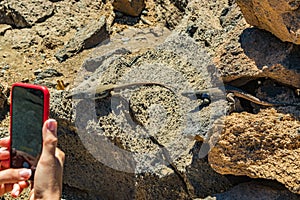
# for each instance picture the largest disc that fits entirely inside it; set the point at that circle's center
(51, 125)
(25, 173)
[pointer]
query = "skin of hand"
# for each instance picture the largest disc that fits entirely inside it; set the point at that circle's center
(49, 170)
(11, 179)
(48, 175)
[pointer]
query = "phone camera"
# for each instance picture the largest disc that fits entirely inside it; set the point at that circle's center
(26, 164)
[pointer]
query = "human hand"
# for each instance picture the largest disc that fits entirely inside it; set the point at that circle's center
(13, 180)
(48, 175)
(49, 170)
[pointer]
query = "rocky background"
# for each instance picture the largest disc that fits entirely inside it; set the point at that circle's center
(184, 44)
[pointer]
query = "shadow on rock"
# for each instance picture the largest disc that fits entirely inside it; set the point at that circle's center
(267, 50)
(85, 173)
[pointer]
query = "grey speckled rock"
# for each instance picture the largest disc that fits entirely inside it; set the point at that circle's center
(89, 36)
(116, 148)
(4, 28)
(256, 53)
(23, 14)
(240, 53)
(4, 108)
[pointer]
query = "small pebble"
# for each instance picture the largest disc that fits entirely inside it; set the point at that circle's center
(36, 72)
(145, 12)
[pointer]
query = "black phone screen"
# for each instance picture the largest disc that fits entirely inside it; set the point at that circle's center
(27, 122)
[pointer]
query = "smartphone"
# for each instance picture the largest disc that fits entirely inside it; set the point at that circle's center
(29, 109)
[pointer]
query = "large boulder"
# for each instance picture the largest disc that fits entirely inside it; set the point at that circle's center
(23, 14)
(280, 17)
(91, 35)
(254, 53)
(137, 144)
(241, 53)
(265, 145)
(129, 7)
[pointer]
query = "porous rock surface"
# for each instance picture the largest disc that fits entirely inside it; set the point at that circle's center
(96, 125)
(3, 102)
(22, 14)
(266, 145)
(4, 28)
(280, 17)
(250, 53)
(91, 35)
(103, 136)
(254, 190)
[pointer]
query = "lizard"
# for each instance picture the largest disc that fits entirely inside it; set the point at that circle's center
(106, 91)
(103, 91)
(209, 94)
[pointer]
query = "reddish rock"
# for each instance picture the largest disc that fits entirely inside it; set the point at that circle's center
(280, 17)
(265, 145)
(129, 7)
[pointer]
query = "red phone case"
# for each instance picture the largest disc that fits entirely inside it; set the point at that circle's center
(30, 86)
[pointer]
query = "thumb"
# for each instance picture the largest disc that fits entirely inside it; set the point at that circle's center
(49, 138)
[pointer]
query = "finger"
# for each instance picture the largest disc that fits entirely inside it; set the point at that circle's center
(14, 175)
(49, 138)
(5, 142)
(8, 187)
(60, 155)
(4, 153)
(5, 164)
(23, 184)
(4, 188)
(31, 194)
(16, 190)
